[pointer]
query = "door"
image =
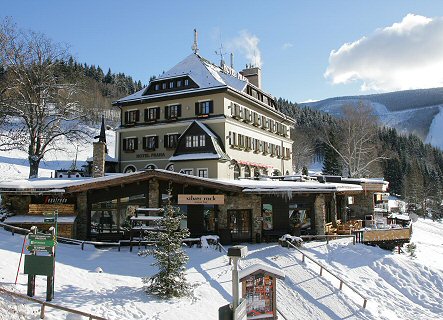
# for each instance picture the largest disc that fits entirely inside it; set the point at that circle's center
(240, 225)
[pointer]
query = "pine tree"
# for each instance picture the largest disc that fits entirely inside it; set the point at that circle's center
(171, 259)
(331, 162)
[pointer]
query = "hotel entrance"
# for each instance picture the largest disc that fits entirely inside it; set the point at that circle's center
(240, 225)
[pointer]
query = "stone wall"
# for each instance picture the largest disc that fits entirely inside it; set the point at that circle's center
(81, 226)
(18, 204)
(98, 159)
(320, 214)
(154, 194)
(363, 205)
(239, 202)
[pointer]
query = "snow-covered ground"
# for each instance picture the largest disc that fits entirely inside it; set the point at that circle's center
(397, 285)
(14, 164)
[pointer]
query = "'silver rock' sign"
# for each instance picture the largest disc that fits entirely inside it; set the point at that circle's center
(201, 199)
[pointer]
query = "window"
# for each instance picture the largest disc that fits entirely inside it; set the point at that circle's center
(202, 173)
(195, 141)
(132, 116)
(188, 141)
(171, 84)
(179, 83)
(152, 114)
(130, 144)
(170, 167)
(150, 143)
(204, 108)
(232, 139)
(202, 141)
(173, 111)
(186, 82)
(171, 140)
(236, 171)
(157, 87)
(164, 85)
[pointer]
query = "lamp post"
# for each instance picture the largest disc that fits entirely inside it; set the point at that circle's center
(236, 253)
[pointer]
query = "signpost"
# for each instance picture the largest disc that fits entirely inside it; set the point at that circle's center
(42, 265)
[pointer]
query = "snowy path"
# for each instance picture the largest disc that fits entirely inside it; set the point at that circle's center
(397, 286)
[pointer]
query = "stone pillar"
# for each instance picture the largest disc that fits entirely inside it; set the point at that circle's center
(98, 159)
(154, 194)
(320, 213)
(82, 216)
(242, 201)
(334, 210)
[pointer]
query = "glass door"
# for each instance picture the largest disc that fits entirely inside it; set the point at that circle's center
(240, 225)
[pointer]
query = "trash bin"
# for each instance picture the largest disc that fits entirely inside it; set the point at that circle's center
(225, 313)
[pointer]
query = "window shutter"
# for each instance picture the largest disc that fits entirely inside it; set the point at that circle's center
(157, 113)
(179, 110)
(156, 141)
(136, 143)
(126, 117)
(146, 115)
(137, 115)
(145, 142)
(165, 141)
(211, 106)
(166, 112)
(196, 108)
(124, 141)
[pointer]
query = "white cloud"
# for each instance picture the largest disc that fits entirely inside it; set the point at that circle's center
(287, 45)
(406, 55)
(247, 44)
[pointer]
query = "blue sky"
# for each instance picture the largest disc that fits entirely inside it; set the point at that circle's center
(293, 38)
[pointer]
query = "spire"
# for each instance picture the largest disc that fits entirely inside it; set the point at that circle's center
(102, 136)
(195, 45)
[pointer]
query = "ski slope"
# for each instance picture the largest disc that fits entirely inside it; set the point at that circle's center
(397, 286)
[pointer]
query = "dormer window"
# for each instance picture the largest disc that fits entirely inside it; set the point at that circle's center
(186, 82)
(164, 85)
(195, 141)
(179, 83)
(171, 84)
(157, 87)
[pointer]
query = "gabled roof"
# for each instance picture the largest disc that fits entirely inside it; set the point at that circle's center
(216, 142)
(205, 74)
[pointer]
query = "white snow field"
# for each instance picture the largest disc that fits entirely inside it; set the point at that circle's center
(397, 286)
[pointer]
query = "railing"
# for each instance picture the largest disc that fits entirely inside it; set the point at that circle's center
(330, 237)
(322, 267)
(45, 304)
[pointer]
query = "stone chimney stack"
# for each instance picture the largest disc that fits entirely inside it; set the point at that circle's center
(98, 159)
(253, 74)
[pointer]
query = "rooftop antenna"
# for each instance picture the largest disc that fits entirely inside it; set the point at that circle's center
(195, 45)
(232, 60)
(221, 53)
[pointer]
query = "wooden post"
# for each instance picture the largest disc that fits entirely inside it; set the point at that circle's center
(42, 311)
(49, 288)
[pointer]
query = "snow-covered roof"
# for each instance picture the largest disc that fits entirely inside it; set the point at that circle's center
(205, 74)
(257, 267)
(248, 186)
(195, 156)
(27, 218)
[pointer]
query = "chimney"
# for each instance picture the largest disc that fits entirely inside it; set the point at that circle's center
(98, 159)
(253, 74)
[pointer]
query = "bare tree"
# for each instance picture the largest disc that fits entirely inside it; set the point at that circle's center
(38, 104)
(356, 143)
(303, 150)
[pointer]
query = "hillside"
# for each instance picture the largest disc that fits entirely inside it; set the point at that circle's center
(411, 111)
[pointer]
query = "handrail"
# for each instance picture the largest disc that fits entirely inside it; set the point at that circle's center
(328, 236)
(51, 305)
(365, 300)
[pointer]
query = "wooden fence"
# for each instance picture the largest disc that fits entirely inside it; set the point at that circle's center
(45, 304)
(322, 267)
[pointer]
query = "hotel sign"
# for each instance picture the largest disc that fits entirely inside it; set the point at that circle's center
(201, 199)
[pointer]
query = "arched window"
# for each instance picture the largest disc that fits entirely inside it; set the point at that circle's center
(130, 169)
(276, 172)
(247, 172)
(236, 171)
(170, 167)
(151, 166)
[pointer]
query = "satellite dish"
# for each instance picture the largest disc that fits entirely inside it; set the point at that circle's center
(413, 217)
